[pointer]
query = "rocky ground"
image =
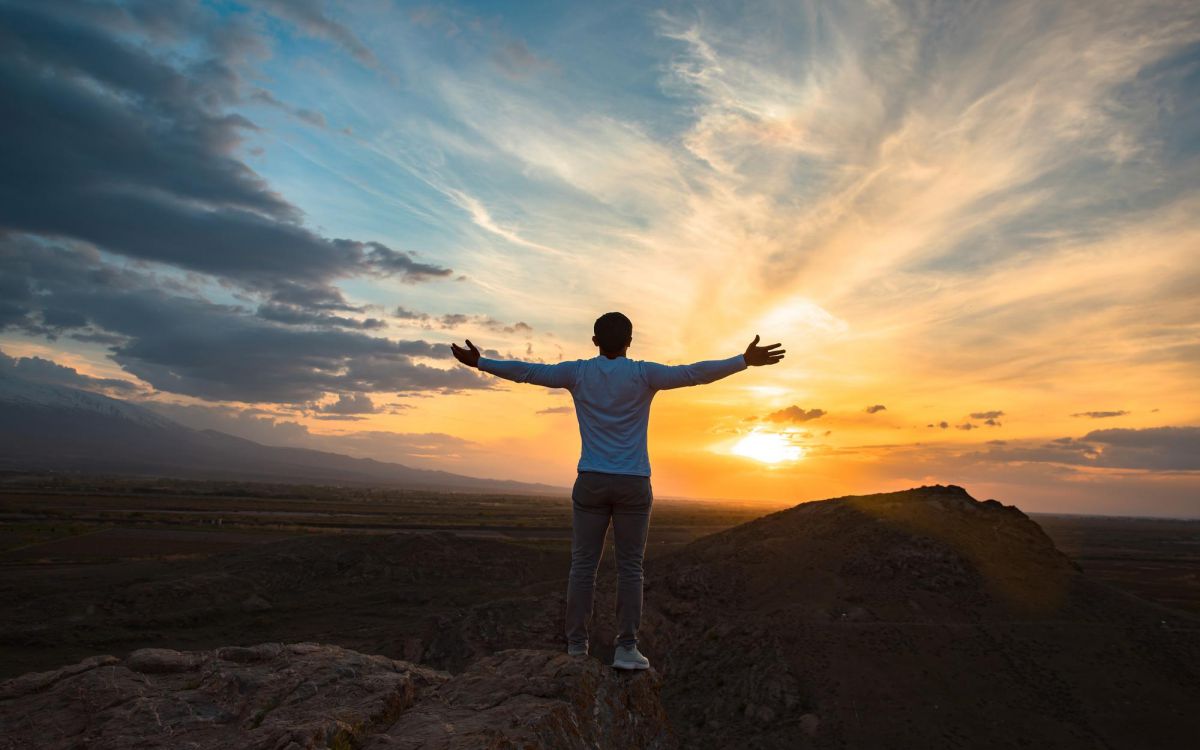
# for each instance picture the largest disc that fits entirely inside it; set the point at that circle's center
(922, 618)
(287, 697)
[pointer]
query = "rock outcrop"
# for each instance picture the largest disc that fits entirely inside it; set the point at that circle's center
(536, 699)
(288, 697)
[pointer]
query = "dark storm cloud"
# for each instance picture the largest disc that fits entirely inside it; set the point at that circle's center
(135, 152)
(1100, 414)
(119, 136)
(794, 413)
(183, 343)
(47, 371)
(876, 409)
(212, 351)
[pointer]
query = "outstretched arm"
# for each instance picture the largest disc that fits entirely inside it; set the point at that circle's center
(561, 375)
(662, 377)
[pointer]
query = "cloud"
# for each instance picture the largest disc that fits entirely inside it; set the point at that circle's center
(1013, 179)
(1161, 449)
(515, 60)
(875, 409)
(297, 315)
(47, 371)
(944, 173)
(557, 410)
(316, 119)
(966, 426)
(1100, 414)
(450, 321)
(1157, 448)
(176, 340)
(794, 413)
(134, 149)
(986, 414)
(309, 16)
(348, 403)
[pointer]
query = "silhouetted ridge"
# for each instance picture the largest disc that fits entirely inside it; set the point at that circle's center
(925, 553)
(922, 618)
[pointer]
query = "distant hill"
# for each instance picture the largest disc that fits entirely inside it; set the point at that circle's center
(922, 618)
(46, 427)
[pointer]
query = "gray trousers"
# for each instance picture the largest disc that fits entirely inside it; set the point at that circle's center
(596, 499)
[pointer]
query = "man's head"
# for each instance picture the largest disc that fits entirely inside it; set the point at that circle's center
(614, 333)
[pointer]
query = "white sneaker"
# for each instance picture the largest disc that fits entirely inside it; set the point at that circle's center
(628, 657)
(574, 650)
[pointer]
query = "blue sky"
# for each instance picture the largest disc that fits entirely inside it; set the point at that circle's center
(947, 209)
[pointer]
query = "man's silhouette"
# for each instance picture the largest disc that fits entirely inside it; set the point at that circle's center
(612, 404)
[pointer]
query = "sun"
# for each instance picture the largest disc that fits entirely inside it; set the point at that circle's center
(768, 447)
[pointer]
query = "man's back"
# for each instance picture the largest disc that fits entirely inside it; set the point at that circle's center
(612, 401)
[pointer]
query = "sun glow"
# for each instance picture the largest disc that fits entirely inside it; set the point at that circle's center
(768, 447)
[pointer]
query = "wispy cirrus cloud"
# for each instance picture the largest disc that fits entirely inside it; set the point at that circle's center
(937, 207)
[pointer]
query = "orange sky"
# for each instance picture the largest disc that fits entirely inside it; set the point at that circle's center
(985, 223)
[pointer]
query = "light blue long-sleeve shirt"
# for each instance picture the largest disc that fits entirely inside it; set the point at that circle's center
(612, 400)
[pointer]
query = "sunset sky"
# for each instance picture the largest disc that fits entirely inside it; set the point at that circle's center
(974, 226)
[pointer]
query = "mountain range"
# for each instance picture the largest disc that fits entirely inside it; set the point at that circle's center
(49, 427)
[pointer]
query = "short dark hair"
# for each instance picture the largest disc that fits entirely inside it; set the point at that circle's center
(613, 331)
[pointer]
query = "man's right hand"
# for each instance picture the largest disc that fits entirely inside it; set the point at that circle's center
(470, 356)
(757, 356)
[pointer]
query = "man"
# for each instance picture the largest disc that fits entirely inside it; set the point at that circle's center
(612, 397)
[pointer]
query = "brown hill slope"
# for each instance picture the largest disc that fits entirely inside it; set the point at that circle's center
(921, 618)
(929, 554)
